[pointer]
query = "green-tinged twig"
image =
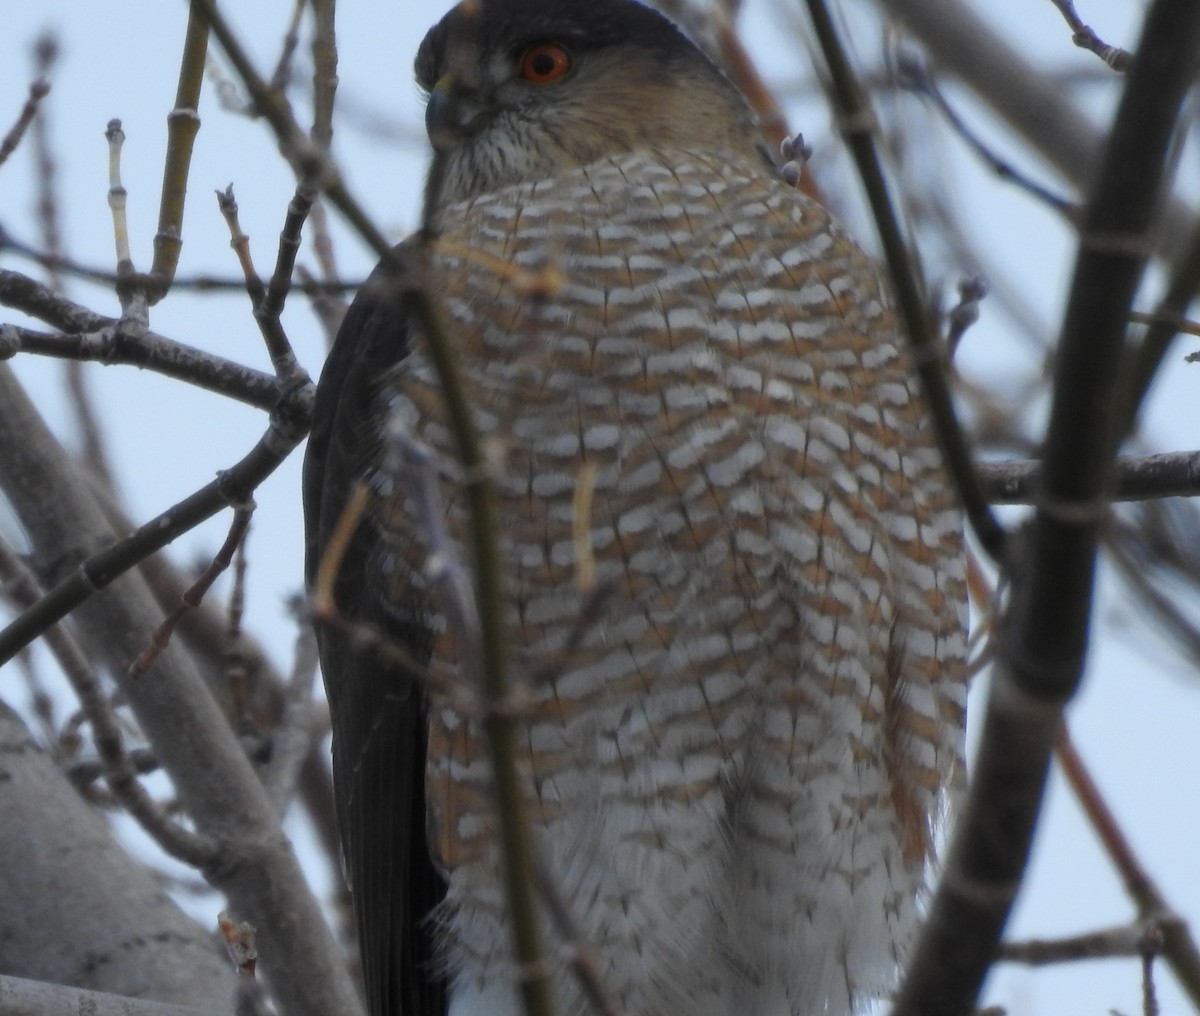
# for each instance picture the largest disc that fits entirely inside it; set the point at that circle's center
(183, 123)
(858, 126)
(500, 729)
(499, 725)
(1043, 636)
(325, 80)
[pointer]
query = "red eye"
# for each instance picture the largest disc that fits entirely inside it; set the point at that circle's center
(545, 63)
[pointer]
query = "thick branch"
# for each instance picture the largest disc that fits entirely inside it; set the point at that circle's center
(196, 745)
(21, 997)
(78, 907)
(1040, 653)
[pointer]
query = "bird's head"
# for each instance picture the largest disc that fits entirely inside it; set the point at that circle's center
(520, 90)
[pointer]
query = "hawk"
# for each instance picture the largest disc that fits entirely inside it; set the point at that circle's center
(735, 760)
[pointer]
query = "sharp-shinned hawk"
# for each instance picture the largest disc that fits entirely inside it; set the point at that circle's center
(734, 768)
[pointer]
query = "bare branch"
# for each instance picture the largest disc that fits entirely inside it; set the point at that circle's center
(23, 997)
(1141, 478)
(1170, 933)
(217, 786)
(1122, 941)
(289, 424)
(1041, 649)
(194, 595)
(37, 91)
(1083, 37)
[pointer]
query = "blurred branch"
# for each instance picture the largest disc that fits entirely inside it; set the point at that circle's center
(914, 75)
(281, 77)
(961, 43)
(1110, 943)
(1177, 943)
(1144, 358)
(200, 283)
(37, 91)
(1083, 37)
(1040, 651)
(858, 127)
(78, 906)
(1144, 478)
(22, 997)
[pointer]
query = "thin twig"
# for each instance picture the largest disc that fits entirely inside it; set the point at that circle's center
(267, 301)
(1121, 942)
(200, 283)
(858, 126)
(499, 725)
(913, 74)
(37, 92)
(1083, 37)
(282, 75)
(283, 358)
(193, 597)
(1176, 940)
(581, 955)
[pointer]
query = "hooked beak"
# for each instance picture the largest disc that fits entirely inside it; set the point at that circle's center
(451, 115)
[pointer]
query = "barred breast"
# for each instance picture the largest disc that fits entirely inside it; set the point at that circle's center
(735, 770)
